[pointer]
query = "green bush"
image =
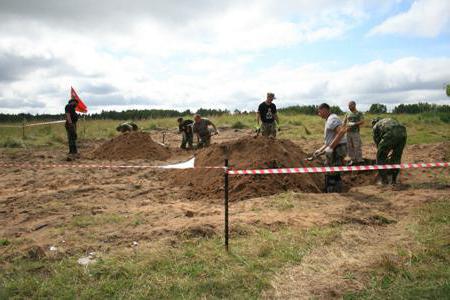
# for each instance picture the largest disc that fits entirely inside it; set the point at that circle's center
(445, 118)
(238, 125)
(4, 242)
(11, 142)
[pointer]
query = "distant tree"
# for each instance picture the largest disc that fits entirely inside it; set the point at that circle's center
(447, 90)
(378, 108)
(421, 107)
(336, 110)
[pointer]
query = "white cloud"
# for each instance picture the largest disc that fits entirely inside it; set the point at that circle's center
(149, 54)
(234, 86)
(425, 18)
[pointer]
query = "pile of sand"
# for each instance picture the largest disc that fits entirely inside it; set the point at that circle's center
(249, 153)
(132, 145)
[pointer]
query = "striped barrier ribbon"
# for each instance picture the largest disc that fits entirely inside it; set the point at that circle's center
(336, 169)
(190, 165)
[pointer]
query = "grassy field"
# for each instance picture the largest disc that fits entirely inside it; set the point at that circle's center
(425, 128)
(200, 268)
(423, 274)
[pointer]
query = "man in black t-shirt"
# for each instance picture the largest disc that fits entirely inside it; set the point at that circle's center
(71, 127)
(185, 128)
(267, 114)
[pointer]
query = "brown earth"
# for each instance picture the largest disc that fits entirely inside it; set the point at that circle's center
(255, 153)
(79, 210)
(131, 145)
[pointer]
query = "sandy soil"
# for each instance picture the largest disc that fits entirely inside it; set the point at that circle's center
(105, 209)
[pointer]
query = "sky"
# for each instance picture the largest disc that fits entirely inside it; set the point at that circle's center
(187, 54)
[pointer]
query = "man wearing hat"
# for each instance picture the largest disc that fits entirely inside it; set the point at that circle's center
(390, 137)
(71, 127)
(267, 115)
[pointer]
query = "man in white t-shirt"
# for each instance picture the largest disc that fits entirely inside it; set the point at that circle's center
(334, 147)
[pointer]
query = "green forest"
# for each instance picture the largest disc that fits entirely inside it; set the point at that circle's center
(135, 114)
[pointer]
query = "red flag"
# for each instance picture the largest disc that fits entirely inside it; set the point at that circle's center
(81, 107)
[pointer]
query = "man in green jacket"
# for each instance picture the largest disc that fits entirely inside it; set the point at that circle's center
(390, 137)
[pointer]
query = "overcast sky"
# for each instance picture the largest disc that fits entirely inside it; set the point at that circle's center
(221, 54)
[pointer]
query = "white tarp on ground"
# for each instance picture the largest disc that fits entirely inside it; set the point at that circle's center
(183, 165)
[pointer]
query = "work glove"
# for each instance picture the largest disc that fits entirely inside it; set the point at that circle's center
(317, 153)
(351, 124)
(328, 150)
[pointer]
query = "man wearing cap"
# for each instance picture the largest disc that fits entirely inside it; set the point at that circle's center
(71, 127)
(185, 128)
(267, 115)
(200, 128)
(354, 119)
(334, 147)
(390, 137)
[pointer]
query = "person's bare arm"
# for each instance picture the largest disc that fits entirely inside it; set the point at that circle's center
(215, 128)
(258, 118)
(340, 131)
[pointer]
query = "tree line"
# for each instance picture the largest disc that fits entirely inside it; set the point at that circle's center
(142, 114)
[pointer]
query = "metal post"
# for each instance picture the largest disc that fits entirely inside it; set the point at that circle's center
(23, 129)
(163, 136)
(84, 126)
(226, 203)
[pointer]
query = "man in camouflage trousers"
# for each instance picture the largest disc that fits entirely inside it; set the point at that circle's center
(390, 137)
(354, 119)
(202, 131)
(267, 115)
(185, 128)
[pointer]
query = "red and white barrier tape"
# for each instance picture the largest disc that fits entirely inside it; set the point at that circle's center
(189, 165)
(99, 166)
(336, 169)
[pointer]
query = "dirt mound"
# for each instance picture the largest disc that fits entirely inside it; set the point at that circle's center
(249, 153)
(132, 145)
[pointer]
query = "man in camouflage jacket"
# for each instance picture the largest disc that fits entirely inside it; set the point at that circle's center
(390, 138)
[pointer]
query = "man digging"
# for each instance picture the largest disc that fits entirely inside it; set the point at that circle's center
(201, 130)
(390, 138)
(185, 128)
(334, 147)
(127, 127)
